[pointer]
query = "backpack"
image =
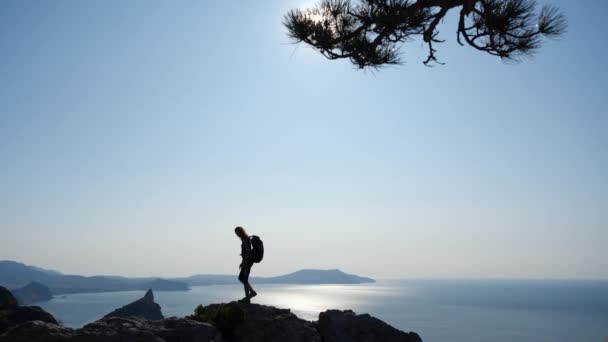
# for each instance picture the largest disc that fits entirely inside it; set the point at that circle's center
(257, 248)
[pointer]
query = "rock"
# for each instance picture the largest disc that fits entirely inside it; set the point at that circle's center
(144, 307)
(12, 317)
(346, 326)
(117, 330)
(11, 314)
(37, 331)
(31, 293)
(257, 323)
(148, 297)
(7, 300)
(267, 323)
(139, 329)
(223, 316)
(236, 322)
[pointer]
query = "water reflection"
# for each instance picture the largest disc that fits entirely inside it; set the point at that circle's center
(438, 310)
(306, 301)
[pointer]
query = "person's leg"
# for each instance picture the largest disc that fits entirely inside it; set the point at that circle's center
(251, 293)
(244, 279)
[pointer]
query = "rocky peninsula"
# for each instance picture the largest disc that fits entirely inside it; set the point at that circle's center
(143, 308)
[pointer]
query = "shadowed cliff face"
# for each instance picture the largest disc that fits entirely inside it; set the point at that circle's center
(12, 315)
(144, 307)
(7, 301)
(232, 322)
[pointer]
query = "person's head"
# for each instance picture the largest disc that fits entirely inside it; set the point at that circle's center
(240, 232)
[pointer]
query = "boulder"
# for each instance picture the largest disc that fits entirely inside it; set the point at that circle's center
(144, 307)
(11, 314)
(346, 326)
(12, 317)
(139, 329)
(37, 331)
(116, 330)
(267, 323)
(257, 323)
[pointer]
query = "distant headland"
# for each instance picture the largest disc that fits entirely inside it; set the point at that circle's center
(38, 281)
(306, 276)
(15, 275)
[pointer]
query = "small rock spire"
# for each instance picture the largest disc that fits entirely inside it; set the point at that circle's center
(149, 296)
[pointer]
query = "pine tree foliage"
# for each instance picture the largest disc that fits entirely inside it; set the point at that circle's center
(370, 32)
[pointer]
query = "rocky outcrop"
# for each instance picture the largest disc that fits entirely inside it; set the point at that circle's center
(233, 322)
(144, 307)
(32, 293)
(37, 331)
(267, 323)
(31, 323)
(139, 329)
(11, 314)
(346, 326)
(257, 323)
(21, 314)
(116, 330)
(240, 322)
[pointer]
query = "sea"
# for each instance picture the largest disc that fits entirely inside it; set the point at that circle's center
(438, 310)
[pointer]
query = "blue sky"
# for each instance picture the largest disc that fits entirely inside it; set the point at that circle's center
(135, 135)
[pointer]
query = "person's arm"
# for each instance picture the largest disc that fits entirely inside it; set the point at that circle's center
(247, 253)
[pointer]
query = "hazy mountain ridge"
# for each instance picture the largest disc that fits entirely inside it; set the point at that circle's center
(14, 275)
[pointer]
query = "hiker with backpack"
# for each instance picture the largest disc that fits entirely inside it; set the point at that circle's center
(252, 250)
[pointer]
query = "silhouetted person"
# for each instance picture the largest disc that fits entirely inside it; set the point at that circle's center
(246, 263)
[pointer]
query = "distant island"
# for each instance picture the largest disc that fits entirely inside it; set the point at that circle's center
(307, 276)
(33, 282)
(32, 293)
